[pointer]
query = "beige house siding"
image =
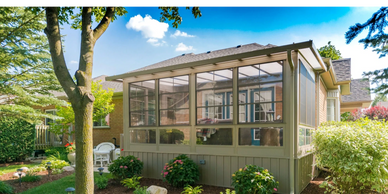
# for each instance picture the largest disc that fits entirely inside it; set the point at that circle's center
(322, 103)
(304, 169)
(218, 169)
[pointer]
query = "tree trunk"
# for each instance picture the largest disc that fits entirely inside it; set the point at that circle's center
(79, 94)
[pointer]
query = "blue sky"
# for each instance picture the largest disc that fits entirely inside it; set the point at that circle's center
(126, 46)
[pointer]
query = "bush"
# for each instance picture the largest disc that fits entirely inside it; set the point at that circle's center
(37, 169)
(57, 152)
(141, 190)
(190, 190)
(55, 163)
(31, 177)
(5, 188)
(101, 181)
(180, 171)
(126, 167)
(16, 139)
(56, 171)
(356, 154)
(227, 191)
(254, 179)
(131, 183)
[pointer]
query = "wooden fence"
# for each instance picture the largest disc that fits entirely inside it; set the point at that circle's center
(45, 139)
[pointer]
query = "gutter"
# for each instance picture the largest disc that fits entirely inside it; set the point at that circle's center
(293, 110)
(295, 46)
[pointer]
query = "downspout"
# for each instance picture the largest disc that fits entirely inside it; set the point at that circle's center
(292, 123)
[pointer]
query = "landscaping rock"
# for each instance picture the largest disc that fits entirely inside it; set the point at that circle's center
(68, 168)
(153, 189)
(25, 169)
(16, 175)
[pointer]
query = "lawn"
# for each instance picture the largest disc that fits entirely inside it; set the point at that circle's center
(13, 168)
(55, 187)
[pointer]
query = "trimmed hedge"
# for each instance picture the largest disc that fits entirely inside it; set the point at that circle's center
(16, 139)
(356, 153)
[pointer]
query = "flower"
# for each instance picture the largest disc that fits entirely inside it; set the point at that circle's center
(258, 173)
(245, 168)
(252, 180)
(275, 189)
(240, 169)
(237, 181)
(233, 175)
(131, 160)
(121, 166)
(138, 158)
(67, 145)
(125, 167)
(122, 149)
(71, 143)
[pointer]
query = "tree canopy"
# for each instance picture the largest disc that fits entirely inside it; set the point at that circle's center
(329, 51)
(377, 39)
(27, 77)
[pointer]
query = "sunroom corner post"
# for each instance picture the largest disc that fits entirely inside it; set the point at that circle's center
(192, 111)
(126, 117)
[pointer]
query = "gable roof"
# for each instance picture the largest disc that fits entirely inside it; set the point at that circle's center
(191, 57)
(358, 91)
(342, 69)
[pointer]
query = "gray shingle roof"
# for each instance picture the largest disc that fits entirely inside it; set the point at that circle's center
(358, 91)
(342, 69)
(191, 57)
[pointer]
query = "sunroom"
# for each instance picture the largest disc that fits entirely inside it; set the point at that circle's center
(187, 105)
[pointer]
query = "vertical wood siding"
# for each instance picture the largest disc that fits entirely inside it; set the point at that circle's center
(218, 170)
(304, 172)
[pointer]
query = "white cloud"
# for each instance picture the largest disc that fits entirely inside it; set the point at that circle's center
(156, 42)
(183, 34)
(183, 47)
(73, 62)
(149, 28)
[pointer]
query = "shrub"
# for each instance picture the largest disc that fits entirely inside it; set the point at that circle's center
(356, 154)
(131, 183)
(227, 191)
(31, 177)
(56, 171)
(126, 167)
(5, 188)
(373, 113)
(101, 181)
(141, 190)
(254, 179)
(37, 169)
(55, 163)
(190, 190)
(57, 152)
(180, 171)
(16, 139)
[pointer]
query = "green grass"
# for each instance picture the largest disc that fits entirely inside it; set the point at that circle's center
(57, 186)
(13, 168)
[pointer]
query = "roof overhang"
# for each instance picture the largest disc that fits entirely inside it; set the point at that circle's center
(306, 48)
(330, 79)
(350, 106)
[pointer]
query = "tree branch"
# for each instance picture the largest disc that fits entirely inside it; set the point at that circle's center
(104, 23)
(54, 37)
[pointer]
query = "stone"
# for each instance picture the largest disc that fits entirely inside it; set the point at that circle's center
(16, 175)
(153, 189)
(68, 169)
(25, 169)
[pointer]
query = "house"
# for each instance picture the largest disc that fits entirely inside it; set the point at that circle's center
(184, 105)
(104, 130)
(359, 98)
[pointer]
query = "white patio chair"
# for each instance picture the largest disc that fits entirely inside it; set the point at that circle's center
(102, 152)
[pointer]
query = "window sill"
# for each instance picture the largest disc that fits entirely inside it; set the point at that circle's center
(101, 127)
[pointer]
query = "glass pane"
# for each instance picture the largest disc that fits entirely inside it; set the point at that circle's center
(174, 101)
(212, 97)
(308, 136)
(174, 84)
(142, 118)
(266, 136)
(266, 112)
(213, 115)
(215, 79)
(142, 136)
(174, 117)
(214, 136)
(142, 103)
(175, 136)
(142, 88)
(255, 74)
(301, 136)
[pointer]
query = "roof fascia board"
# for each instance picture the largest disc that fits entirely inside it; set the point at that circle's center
(295, 46)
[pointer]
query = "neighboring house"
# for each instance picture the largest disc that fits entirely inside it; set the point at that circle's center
(106, 128)
(385, 104)
(359, 96)
(184, 105)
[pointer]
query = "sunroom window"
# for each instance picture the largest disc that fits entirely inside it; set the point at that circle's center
(174, 100)
(214, 91)
(307, 96)
(261, 92)
(142, 103)
(263, 136)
